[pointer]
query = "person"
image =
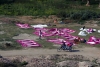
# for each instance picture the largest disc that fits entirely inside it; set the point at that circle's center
(55, 21)
(70, 45)
(63, 45)
(83, 41)
(40, 34)
(83, 27)
(77, 40)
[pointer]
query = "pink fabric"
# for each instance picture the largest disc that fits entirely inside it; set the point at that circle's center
(90, 30)
(93, 40)
(66, 30)
(69, 37)
(23, 25)
(53, 31)
(43, 29)
(58, 41)
(46, 32)
(28, 43)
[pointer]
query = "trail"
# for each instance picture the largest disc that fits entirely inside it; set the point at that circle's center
(89, 52)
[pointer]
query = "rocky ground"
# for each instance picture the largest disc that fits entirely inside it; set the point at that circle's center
(54, 60)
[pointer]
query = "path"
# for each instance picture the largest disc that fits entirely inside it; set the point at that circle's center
(89, 52)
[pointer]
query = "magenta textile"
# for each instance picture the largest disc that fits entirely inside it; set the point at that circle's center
(53, 31)
(93, 40)
(58, 41)
(66, 30)
(28, 43)
(23, 25)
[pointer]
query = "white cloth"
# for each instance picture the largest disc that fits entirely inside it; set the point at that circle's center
(39, 26)
(82, 33)
(94, 29)
(81, 29)
(98, 31)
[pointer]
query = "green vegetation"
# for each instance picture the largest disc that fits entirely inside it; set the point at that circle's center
(61, 8)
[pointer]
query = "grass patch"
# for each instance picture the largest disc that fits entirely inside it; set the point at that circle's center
(46, 44)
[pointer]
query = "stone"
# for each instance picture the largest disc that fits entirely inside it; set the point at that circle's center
(51, 57)
(61, 64)
(98, 61)
(84, 64)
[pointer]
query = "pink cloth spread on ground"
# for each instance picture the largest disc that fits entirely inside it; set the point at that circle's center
(93, 40)
(23, 25)
(58, 41)
(66, 30)
(28, 43)
(53, 31)
(89, 30)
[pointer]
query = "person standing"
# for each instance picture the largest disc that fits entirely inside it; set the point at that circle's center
(40, 34)
(83, 27)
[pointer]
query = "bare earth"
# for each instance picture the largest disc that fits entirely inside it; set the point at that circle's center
(89, 52)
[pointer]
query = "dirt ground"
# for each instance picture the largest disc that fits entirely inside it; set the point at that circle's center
(89, 52)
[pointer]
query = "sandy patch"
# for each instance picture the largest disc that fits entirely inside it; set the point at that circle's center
(26, 36)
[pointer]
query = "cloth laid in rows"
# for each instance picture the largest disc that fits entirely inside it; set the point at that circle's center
(53, 31)
(28, 43)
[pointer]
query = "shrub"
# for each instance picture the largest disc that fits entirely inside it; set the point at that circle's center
(7, 65)
(83, 15)
(88, 14)
(76, 15)
(62, 13)
(24, 63)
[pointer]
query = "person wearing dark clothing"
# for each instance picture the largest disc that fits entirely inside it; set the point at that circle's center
(63, 45)
(83, 27)
(40, 34)
(83, 41)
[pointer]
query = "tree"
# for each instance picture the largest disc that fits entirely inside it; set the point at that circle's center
(6, 1)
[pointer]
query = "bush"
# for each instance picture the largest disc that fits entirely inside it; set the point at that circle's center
(88, 15)
(24, 63)
(62, 13)
(7, 65)
(76, 15)
(83, 15)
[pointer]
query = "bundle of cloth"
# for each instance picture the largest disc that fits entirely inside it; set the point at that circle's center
(93, 40)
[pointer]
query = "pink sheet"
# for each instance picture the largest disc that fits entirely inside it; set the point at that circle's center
(23, 25)
(58, 41)
(66, 30)
(53, 31)
(93, 40)
(28, 43)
